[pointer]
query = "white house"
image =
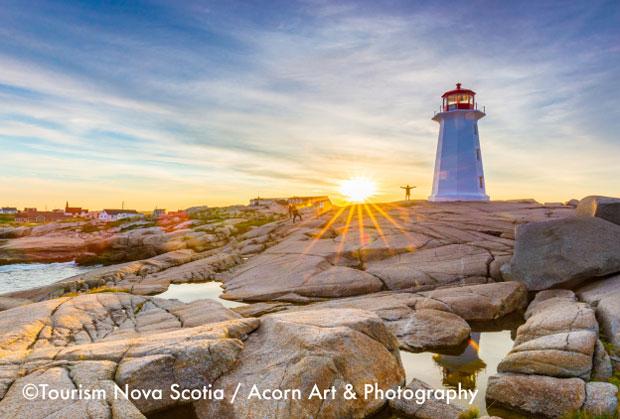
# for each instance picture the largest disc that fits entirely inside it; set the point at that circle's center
(8, 210)
(118, 214)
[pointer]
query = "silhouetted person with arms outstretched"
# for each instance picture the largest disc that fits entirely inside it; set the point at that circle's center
(407, 191)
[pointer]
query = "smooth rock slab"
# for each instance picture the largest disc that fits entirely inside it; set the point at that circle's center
(564, 252)
(428, 268)
(483, 302)
(298, 349)
(537, 395)
(431, 409)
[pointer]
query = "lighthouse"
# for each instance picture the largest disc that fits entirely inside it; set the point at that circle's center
(458, 163)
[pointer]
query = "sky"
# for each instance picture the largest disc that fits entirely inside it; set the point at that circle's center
(173, 104)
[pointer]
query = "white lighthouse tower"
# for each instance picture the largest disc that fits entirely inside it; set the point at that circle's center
(458, 162)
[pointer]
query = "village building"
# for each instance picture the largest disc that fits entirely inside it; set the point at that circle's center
(108, 215)
(159, 212)
(75, 211)
(8, 210)
(31, 215)
(258, 201)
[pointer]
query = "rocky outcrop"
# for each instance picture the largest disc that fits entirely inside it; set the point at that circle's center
(430, 409)
(558, 338)
(386, 247)
(564, 253)
(296, 350)
(556, 352)
(99, 341)
(604, 295)
(603, 207)
(435, 319)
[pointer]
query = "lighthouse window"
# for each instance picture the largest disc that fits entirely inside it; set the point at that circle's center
(481, 182)
(475, 129)
(478, 154)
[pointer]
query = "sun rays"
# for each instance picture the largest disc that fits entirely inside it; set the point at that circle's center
(364, 215)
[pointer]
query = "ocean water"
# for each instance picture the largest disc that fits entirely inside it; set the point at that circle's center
(21, 276)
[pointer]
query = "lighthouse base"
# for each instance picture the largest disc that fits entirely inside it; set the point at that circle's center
(458, 197)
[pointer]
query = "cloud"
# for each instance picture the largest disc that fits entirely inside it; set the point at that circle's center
(235, 98)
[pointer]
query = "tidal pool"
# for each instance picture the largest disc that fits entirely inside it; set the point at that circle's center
(191, 292)
(471, 368)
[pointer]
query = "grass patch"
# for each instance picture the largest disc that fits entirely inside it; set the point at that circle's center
(245, 226)
(471, 413)
(7, 218)
(97, 290)
(580, 414)
(138, 308)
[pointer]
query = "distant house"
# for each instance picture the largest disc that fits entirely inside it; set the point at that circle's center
(319, 203)
(118, 214)
(8, 210)
(31, 215)
(258, 201)
(159, 212)
(75, 211)
(177, 214)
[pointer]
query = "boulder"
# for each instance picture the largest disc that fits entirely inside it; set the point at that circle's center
(297, 350)
(564, 252)
(536, 395)
(430, 409)
(608, 313)
(601, 399)
(483, 302)
(603, 207)
(427, 329)
(558, 339)
(595, 291)
(604, 295)
(602, 368)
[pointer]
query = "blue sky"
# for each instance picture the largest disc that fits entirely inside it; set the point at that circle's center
(180, 103)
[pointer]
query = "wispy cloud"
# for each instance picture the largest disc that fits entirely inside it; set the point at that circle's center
(181, 104)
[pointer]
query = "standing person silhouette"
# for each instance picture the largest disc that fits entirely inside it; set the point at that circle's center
(296, 214)
(407, 191)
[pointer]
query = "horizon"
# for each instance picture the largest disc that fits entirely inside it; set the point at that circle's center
(172, 106)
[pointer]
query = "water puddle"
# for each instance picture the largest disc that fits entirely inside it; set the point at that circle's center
(471, 368)
(191, 292)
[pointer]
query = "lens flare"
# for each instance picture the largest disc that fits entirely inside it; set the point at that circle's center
(358, 189)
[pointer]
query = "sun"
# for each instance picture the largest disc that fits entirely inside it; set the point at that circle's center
(357, 189)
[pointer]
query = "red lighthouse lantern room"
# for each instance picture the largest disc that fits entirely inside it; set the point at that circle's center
(458, 99)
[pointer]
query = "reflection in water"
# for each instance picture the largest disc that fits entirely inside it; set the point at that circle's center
(462, 368)
(191, 292)
(471, 368)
